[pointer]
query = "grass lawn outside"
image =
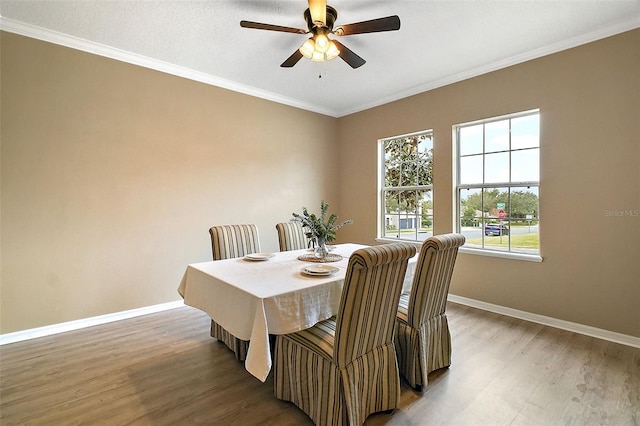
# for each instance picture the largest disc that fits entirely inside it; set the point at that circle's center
(526, 241)
(519, 241)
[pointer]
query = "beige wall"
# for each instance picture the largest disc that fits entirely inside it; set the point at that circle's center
(112, 175)
(589, 100)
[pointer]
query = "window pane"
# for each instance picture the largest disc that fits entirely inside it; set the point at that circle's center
(408, 177)
(387, 151)
(496, 236)
(496, 225)
(496, 136)
(408, 227)
(409, 202)
(470, 209)
(525, 237)
(470, 139)
(496, 167)
(392, 174)
(425, 144)
(426, 202)
(524, 203)
(402, 202)
(402, 226)
(525, 132)
(391, 226)
(424, 170)
(410, 150)
(525, 165)
(392, 202)
(471, 169)
(426, 228)
(495, 203)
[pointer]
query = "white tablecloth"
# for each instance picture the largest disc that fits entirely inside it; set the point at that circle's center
(252, 299)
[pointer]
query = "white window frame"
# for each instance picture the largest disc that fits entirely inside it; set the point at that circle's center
(381, 217)
(509, 184)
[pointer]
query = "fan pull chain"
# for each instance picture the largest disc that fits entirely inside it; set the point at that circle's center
(323, 69)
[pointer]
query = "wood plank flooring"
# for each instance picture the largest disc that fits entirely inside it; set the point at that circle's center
(164, 369)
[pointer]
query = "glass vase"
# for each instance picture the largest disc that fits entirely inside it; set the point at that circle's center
(321, 250)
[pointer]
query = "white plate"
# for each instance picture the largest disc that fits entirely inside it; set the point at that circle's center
(259, 256)
(319, 270)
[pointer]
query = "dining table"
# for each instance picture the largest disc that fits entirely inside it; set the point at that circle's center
(270, 293)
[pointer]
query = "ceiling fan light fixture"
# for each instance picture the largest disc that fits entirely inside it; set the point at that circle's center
(326, 50)
(317, 57)
(332, 52)
(322, 43)
(308, 48)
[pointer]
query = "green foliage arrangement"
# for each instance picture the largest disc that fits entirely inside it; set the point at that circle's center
(320, 228)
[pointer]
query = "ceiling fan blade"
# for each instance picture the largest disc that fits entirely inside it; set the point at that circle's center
(348, 56)
(390, 23)
(292, 60)
(260, 26)
(318, 10)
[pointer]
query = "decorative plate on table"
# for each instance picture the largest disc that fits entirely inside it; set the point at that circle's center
(319, 270)
(259, 256)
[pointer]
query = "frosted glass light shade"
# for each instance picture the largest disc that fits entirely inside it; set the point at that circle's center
(328, 50)
(307, 48)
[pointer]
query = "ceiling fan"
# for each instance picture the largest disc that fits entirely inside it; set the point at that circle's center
(320, 18)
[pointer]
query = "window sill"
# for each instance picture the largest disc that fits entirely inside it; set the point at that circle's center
(501, 254)
(473, 251)
(418, 244)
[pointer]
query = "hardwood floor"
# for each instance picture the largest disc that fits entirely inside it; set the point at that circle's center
(164, 369)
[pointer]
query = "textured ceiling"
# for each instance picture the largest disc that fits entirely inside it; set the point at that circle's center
(439, 42)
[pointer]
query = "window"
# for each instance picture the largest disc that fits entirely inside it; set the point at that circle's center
(406, 187)
(498, 174)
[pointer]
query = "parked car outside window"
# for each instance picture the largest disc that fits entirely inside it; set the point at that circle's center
(496, 230)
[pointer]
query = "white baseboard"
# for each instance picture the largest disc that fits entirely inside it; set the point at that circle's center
(599, 333)
(48, 330)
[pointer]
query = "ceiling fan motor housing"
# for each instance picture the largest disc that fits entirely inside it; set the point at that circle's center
(332, 15)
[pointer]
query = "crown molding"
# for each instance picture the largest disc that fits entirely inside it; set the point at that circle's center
(73, 42)
(601, 33)
(81, 44)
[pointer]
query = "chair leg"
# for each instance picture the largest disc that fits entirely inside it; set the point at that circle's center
(238, 346)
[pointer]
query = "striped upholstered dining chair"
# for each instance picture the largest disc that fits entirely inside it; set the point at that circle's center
(229, 241)
(423, 340)
(343, 369)
(291, 236)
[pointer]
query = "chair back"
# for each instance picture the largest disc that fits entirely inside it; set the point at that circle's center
(369, 302)
(291, 236)
(229, 241)
(431, 281)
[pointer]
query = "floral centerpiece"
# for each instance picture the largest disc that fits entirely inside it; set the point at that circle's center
(321, 229)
